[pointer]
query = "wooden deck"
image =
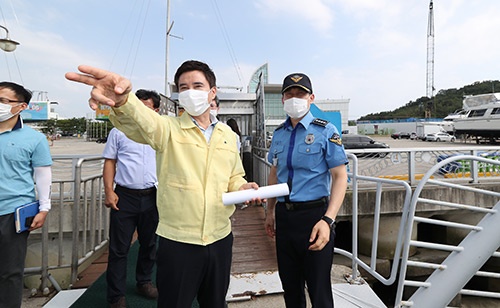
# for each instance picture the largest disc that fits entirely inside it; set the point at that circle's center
(92, 273)
(253, 250)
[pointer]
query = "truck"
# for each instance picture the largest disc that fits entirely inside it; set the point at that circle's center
(424, 128)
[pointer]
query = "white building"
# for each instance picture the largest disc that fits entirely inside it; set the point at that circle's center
(341, 105)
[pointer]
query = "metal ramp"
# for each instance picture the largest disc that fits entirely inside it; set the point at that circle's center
(466, 259)
(348, 295)
(248, 290)
(64, 298)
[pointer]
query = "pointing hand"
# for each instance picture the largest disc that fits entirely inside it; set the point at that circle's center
(108, 88)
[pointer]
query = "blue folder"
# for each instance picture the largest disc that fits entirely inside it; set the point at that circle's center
(24, 214)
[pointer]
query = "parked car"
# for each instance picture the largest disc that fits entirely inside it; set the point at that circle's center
(440, 137)
(400, 135)
(357, 142)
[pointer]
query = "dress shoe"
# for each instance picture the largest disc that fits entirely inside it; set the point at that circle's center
(121, 303)
(147, 290)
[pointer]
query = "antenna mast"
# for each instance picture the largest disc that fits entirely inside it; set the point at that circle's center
(169, 27)
(430, 62)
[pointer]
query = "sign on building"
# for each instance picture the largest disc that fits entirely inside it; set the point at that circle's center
(37, 110)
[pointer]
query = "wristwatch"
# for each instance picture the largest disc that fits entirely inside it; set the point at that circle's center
(329, 221)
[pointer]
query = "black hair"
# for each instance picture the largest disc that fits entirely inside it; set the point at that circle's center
(149, 94)
(22, 94)
(193, 65)
(234, 126)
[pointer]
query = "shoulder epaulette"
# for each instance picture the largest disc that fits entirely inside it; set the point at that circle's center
(280, 126)
(320, 122)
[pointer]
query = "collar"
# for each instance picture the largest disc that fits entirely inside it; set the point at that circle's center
(305, 121)
(213, 119)
(187, 121)
(19, 124)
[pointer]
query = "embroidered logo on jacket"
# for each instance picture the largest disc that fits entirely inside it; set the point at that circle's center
(335, 138)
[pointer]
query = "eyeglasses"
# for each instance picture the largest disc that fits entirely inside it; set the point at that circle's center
(5, 100)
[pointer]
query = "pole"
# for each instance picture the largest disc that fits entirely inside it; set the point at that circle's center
(167, 34)
(430, 62)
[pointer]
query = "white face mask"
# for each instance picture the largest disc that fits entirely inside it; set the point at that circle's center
(6, 112)
(213, 112)
(296, 107)
(195, 102)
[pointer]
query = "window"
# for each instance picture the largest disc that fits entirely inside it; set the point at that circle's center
(477, 113)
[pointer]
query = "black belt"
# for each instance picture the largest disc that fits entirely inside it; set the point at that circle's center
(297, 206)
(140, 192)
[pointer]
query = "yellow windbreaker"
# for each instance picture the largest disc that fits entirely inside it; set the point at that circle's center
(192, 175)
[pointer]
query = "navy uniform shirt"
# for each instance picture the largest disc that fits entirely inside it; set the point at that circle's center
(304, 156)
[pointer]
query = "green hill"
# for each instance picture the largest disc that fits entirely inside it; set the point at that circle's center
(444, 102)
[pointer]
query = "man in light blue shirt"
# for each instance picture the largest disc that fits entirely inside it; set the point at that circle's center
(132, 167)
(24, 152)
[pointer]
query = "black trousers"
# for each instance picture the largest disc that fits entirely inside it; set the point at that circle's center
(296, 264)
(136, 211)
(12, 259)
(186, 271)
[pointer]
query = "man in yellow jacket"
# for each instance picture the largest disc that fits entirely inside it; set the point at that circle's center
(197, 161)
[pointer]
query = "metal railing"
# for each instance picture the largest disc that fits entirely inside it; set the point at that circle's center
(371, 268)
(78, 223)
(410, 164)
(469, 250)
(450, 168)
(79, 217)
(261, 168)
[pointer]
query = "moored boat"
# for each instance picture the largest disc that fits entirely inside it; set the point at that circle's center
(480, 118)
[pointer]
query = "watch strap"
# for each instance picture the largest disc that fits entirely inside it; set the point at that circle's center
(329, 221)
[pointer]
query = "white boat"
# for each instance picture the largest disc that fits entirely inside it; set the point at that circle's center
(457, 114)
(480, 118)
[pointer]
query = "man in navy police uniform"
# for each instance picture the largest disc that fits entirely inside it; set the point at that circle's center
(307, 154)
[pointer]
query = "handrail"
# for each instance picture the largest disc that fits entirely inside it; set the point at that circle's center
(261, 164)
(409, 164)
(356, 261)
(75, 261)
(89, 220)
(453, 286)
(479, 168)
(89, 231)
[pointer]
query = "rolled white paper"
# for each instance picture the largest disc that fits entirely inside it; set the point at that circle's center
(264, 192)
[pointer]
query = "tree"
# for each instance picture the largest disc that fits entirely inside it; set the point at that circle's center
(443, 103)
(66, 127)
(49, 127)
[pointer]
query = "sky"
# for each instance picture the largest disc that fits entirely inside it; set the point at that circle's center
(371, 52)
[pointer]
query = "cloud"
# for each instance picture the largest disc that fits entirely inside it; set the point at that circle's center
(371, 90)
(466, 46)
(379, 12)
(474, 40)
(316, 12)
(40, 62)
(373, 52)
